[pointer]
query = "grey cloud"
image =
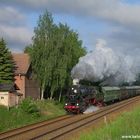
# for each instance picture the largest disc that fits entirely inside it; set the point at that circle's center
(123, 30)
(111, 10)
(16, 37)
(124, 39)
(9, 15)
(13, 27)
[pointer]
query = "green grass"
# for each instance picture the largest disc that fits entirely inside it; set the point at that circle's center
(15, 117)
(51, 108)
(127, 124)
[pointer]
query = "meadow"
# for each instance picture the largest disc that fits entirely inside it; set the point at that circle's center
(126, 126)
(29, 112)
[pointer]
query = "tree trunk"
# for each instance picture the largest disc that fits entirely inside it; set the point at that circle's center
(51, 97)
(42, 94)
(60, 95)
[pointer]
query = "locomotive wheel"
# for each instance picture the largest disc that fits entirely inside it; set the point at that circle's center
(69, 113)
(78, 111)
(83, 109)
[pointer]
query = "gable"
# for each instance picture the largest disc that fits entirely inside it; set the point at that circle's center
(22, 63)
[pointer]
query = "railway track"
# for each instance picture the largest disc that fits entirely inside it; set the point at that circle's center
(14, 132)
(56, 129)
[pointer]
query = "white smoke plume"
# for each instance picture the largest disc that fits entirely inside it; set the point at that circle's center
(106, 65)
(91, 109)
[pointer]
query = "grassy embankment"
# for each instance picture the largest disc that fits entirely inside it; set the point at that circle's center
(127, 126)
(27, 114)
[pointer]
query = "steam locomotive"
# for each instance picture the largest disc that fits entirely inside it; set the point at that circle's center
(80, 97)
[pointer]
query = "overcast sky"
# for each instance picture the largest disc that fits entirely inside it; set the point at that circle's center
(116, 21)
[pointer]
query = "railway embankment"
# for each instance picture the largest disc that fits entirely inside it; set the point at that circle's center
(67, 126)
(29, 112)
(122, 124)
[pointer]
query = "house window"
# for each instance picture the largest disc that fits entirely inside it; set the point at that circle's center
(2, 97)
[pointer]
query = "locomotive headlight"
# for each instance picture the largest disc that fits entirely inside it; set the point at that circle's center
(77, 104)
(66, 104)
(75, 91)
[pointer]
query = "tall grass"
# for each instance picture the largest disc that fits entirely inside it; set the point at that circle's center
(51, 108)
(14, 118)
(125, 127)
(22, 115)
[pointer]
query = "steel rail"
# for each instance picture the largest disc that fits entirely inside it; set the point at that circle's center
(34, 127)
(24, 129)
(95, 118)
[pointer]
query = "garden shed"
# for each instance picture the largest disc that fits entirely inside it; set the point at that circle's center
(8, 95)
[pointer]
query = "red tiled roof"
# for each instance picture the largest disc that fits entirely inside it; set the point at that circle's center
(22, 62)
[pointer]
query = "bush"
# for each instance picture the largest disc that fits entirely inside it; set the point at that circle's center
(28, 106)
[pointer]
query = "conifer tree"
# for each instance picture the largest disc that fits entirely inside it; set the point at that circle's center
(6, 64)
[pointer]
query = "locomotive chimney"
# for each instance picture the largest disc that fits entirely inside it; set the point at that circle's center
(75, 81)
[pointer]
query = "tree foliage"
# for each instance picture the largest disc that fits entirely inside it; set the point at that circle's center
(6, 64)
(28, 49)
(55, 50)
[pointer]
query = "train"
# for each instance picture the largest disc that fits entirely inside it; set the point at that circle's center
(80, 97)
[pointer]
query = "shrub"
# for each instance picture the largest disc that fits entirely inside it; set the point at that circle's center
(28, 106)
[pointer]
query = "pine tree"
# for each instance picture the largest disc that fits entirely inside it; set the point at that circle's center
(6, 64)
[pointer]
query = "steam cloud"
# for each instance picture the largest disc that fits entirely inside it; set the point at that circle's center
(108, 66)
(91, 109)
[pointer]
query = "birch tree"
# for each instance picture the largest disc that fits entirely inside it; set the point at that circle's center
(55, 50)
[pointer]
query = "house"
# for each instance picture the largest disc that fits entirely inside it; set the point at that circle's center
(8, 95)
(24, 82)
(24, 85)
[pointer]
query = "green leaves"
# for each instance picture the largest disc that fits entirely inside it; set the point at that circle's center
(6, 64)
(28, 106)
(55, 50)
